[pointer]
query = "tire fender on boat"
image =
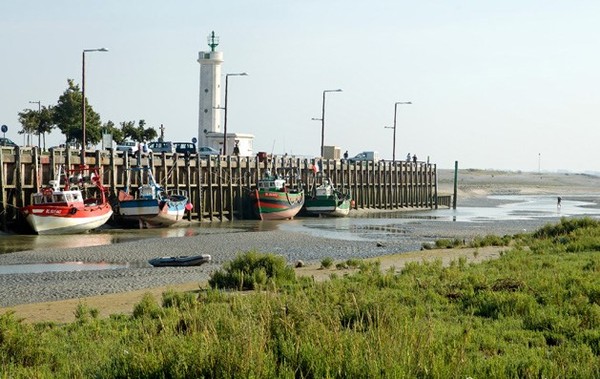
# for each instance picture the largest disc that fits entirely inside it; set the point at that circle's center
(73, 210)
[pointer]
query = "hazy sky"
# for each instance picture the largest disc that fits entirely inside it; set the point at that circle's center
(494, 84)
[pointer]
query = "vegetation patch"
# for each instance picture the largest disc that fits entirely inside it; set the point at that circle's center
(253, 270)
(532, 313)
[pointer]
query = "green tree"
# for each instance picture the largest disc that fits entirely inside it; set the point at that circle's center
(138, 133)
(37, 122)
(29, 120)
(45, 122)
(68, 118)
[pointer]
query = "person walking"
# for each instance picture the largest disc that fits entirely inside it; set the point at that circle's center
(558, 203)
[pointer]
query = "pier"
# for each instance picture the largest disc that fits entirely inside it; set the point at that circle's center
(218, 186)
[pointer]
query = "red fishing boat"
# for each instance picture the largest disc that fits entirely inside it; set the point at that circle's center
(74, 202)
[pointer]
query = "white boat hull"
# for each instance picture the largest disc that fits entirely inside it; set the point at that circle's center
(65, 225)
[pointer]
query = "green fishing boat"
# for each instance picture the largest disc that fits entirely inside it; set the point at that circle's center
(326, 200)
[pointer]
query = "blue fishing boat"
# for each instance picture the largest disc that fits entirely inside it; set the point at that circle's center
(150, 204)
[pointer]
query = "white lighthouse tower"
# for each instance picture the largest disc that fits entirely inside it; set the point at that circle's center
(209, 118)
(210, 132)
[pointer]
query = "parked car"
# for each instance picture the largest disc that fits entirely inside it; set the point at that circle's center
(126, 146)
(365, 156)
(7, 142)
(185, 148)
(205, 151)
(70, 145)
(162, 147)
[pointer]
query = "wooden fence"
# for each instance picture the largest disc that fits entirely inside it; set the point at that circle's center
(218, 186)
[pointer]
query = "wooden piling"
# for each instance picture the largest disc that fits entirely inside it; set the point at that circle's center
(218, 187)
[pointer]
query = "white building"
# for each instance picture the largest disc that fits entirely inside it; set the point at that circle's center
(211, 109)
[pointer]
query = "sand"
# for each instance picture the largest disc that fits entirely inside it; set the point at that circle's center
(117, 292)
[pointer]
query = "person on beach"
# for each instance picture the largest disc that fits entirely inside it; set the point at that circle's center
(558, 202)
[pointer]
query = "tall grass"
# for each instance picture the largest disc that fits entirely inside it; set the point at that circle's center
(535, 312)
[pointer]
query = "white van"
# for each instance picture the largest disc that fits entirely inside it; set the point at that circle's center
(365, 156)
(162, 147)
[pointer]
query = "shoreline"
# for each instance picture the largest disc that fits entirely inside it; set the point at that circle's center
(63, 311)
(54, 296)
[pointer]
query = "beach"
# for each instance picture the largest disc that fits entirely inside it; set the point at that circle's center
(53, 296)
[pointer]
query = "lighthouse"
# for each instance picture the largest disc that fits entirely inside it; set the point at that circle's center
(210, 117)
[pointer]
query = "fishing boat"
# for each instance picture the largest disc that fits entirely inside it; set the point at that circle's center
(150, 205)
(184, 260)
(74, 202)
(274, 199)
(326, 200)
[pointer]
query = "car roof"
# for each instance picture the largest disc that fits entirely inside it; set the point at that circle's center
(159, 142)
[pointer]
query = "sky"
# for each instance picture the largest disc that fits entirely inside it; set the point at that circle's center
(497, 84)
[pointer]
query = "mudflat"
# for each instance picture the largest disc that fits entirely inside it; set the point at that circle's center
(473, 188)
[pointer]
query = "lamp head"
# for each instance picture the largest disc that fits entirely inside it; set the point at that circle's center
(92, 50)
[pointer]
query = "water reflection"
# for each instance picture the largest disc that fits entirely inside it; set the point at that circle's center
(361, 226)
(10, 243)
(374, 225)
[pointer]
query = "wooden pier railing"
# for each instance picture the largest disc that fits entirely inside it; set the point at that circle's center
(218, 186)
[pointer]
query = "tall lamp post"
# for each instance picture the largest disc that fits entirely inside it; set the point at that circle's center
(83, 100)
(394, 127)
(225, 117)
(322, 119)
(39, 103)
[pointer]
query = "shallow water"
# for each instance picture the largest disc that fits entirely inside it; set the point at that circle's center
(398, 223)
(389, 225)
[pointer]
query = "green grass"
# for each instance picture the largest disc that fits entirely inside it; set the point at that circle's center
(532, 313)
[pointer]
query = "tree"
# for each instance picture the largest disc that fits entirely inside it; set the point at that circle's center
(29, 120)
(45, 122)
(68, 118)
(138, 133)
(38, 122)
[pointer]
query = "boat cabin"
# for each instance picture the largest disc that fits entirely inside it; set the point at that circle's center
(48, 196)
(324, 191)
(148, 191)
(271, 184)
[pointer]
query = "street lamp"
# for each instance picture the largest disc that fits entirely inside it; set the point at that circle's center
(394, 127)
(83, 100)
(225, 118)
(39, 103)
(322, 119)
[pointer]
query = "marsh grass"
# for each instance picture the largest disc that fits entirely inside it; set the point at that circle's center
(534, 312)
